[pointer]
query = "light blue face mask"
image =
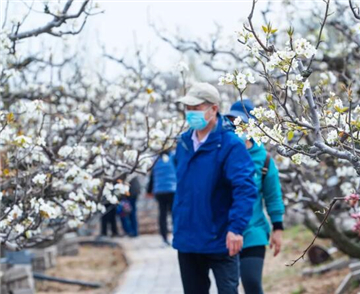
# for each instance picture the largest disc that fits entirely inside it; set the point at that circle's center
(196, 119)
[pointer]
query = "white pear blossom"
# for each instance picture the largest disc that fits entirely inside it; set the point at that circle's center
(357, 110)
(338, 103)
(19, 228)
(229, 78)
(122, 188)
(292, 85)
(346, 171)
(241, 81)
(237, 121)
(332, 137)
(347, 188)
(101, 208)
(182, 66)
(40, 179)
(309, 161)
(40, 141)
(270, 114)
(303, 47)
(297, 158)
(306, 85)
(298, 77)
(65, 151)
(313, 188)
(74, 223)
(130, 155)
(258, 112)
(244, 35)
(250, 78)
(14, 212)
(80, 152)
(23, 141)
(222, 81)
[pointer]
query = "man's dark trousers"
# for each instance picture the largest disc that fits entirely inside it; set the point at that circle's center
(195, 267)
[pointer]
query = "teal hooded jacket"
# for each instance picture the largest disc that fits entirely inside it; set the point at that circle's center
(269, 196)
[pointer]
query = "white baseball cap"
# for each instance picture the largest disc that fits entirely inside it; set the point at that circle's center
(200, 93)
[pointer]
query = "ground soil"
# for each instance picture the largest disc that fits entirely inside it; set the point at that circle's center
(105, 265)
(93, 264)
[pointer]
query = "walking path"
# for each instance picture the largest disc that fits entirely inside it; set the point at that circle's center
(153, 269)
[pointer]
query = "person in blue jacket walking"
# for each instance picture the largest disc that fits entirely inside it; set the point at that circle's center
(214, 197)
(257, 234)
(163, 184)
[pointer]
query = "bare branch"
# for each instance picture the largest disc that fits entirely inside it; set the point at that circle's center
(56, 22)
(354, 10)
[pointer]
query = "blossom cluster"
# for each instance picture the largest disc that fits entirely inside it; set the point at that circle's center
(240, 80)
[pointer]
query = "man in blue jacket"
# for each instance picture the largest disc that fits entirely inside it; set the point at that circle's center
(214, 198)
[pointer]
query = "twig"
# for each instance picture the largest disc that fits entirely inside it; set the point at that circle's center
(321, 30)
(353, 9)
(318, 230)
(270, 49)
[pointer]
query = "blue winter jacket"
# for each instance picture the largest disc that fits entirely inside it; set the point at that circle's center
(215, 191)
(164, 175)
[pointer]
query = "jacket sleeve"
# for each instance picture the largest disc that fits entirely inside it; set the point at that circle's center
(271, 190)
(239, 171)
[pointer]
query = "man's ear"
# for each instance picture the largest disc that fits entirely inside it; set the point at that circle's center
(216, 108)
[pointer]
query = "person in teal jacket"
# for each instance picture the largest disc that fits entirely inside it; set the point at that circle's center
(258, 232)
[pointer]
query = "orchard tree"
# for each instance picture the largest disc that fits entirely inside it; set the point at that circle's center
(311, 118)
(303, 78)
(68, 136)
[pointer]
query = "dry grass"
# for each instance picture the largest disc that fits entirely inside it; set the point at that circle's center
(93, 264)
(282, 279)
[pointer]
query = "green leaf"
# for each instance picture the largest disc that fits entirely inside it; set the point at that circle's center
(290, 31)
(10, 117)
(269, 97)
(290, 135)
(341, 110)
(273, 31)
(264, 29)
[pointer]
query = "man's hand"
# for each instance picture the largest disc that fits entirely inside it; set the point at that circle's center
(234, 243)
(275, 241)
(149, 195)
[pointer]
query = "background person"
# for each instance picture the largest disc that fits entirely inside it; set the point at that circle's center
(163, 184)
(129, 220)
(109, 217)
(256, 235)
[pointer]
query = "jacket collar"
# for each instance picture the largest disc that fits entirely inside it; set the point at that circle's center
(214, 139)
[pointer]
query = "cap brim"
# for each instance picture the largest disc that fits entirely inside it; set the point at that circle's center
(190, 100)
(242, 115)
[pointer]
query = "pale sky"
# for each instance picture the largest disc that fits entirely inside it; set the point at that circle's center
(125, 23)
